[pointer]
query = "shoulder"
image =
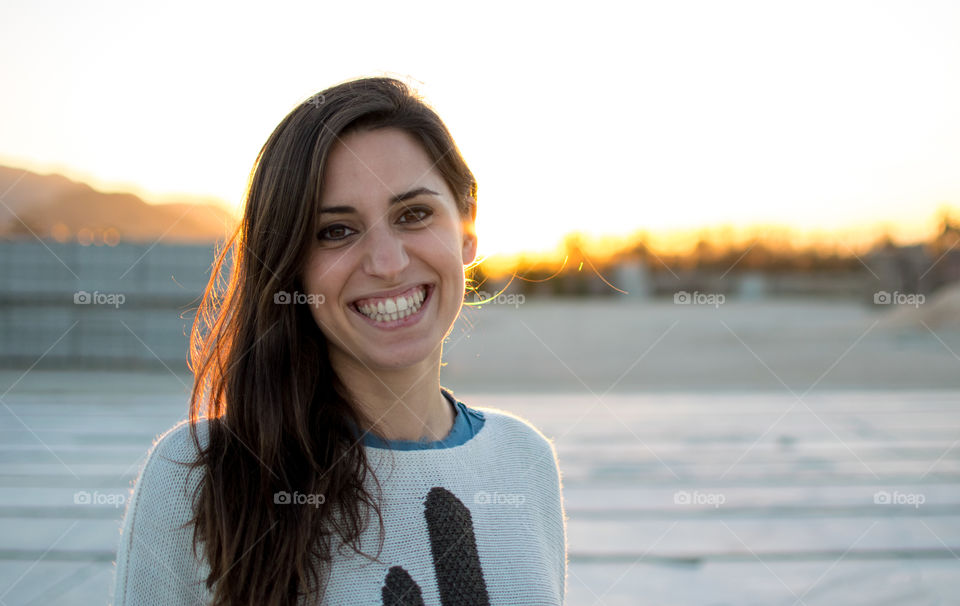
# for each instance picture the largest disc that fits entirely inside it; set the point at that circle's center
(509, 429)
(173, 451)
(163, 483)
(177, 440)
(512, 423)
(163, 493)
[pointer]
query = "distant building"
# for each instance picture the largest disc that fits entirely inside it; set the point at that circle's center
(945, 250)
(123, 306)
(632, 276)
(918, 268)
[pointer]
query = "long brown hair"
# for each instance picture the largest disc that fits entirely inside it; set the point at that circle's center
(278, 419)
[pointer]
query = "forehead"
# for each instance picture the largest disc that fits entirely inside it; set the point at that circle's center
(376, 165)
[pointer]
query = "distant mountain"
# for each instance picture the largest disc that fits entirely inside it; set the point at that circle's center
(54, 207)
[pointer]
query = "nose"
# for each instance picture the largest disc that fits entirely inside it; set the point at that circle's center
(385, 256)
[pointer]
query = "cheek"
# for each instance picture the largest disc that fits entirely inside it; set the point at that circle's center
(443, 243)
(320, 277)
(444, 247)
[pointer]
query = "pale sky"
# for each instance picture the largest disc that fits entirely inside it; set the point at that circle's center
(593, 116)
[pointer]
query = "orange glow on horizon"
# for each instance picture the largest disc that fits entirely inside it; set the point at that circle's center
(501, 257)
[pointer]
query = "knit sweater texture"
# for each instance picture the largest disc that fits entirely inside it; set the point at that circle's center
(478, 523)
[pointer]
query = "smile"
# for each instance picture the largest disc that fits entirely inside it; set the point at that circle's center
(387, 310)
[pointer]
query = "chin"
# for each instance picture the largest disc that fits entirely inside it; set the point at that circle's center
(398, 360)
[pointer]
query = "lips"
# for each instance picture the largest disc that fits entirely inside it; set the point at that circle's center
(393, 308)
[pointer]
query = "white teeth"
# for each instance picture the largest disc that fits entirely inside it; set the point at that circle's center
(394, 309)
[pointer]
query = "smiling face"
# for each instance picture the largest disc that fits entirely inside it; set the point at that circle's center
(389, 254)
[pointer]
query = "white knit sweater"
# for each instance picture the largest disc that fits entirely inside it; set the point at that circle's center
(504, 482)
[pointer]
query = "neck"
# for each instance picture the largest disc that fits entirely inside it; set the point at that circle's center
(400, 404)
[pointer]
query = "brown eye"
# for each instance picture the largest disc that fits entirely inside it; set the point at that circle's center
(415, 215)
(334, 232)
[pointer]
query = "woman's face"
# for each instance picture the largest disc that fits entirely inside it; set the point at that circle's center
(389, 253)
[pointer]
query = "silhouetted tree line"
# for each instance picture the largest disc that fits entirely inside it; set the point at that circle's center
(582, 273)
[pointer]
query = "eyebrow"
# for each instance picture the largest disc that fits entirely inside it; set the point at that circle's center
(413, 193)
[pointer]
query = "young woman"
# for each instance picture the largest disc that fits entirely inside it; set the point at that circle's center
(322, 462)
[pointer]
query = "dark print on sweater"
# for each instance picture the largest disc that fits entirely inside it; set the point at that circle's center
(455, 558)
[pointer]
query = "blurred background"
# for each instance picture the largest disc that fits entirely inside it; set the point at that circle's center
(721, 269)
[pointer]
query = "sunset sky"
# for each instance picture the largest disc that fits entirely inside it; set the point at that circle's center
(833, 116)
